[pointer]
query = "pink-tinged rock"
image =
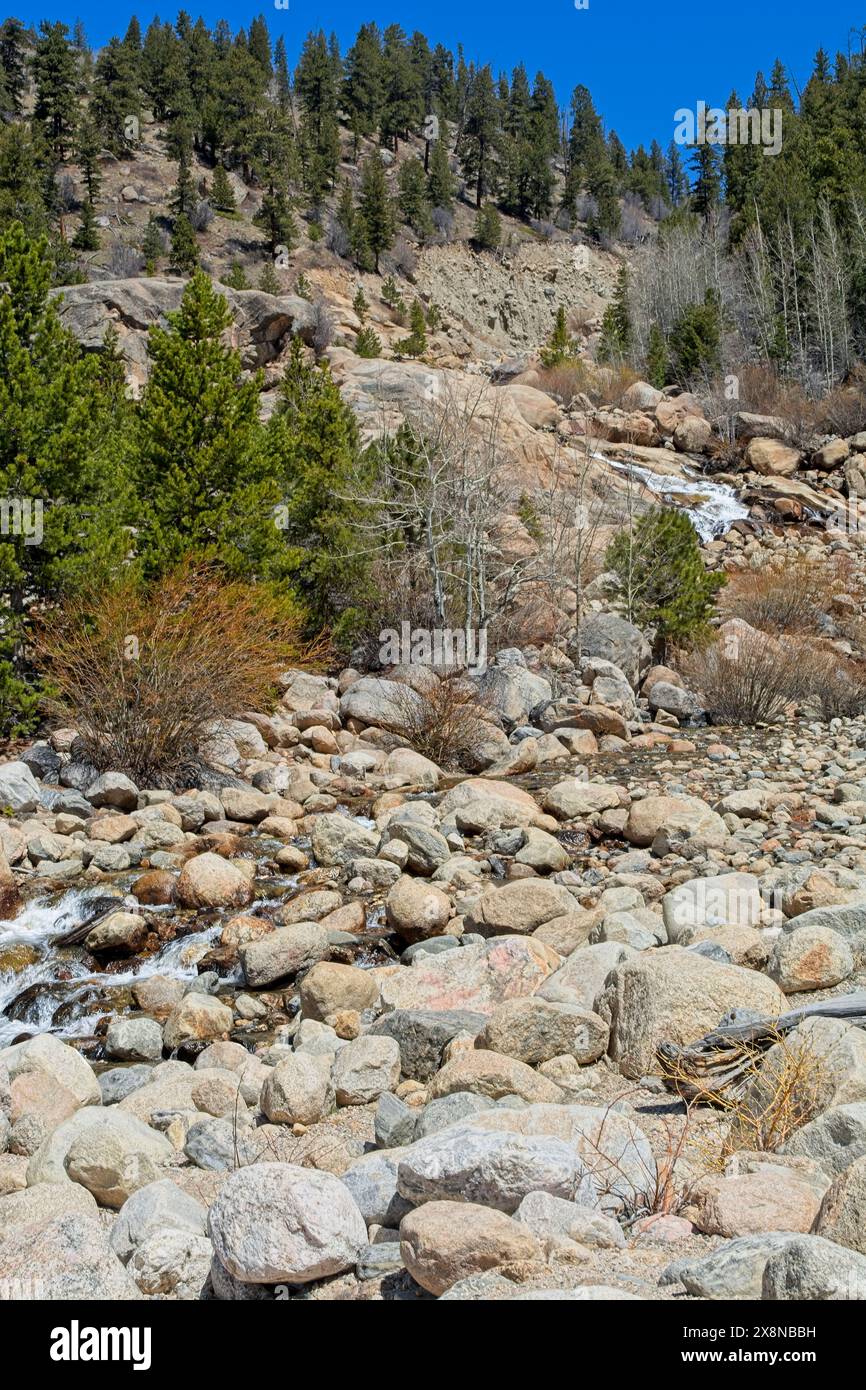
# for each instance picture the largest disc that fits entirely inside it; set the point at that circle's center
(471, 977)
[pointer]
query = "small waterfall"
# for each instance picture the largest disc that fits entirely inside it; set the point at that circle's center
(716, 505)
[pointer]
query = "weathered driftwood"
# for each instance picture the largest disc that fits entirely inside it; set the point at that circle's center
(724, 1060)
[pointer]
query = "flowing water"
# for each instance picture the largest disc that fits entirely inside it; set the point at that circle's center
(712, 507)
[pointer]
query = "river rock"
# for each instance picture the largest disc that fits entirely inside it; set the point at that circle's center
(329, 988)
(835, 1139)
(113, 1159)
(519, 907)
(842, 1217)
(275, 1223)
(208, 880)
(422, 1034)
(283, 952)
(495, 1169)
(159, 1206)
(65, 1259)
(547, 1215)
(492, 1074)
(338, 839)
(687, 816)
(298, 1090)
(197, 1017)
(673, 995)
(134, 1040)
(363, 1069)
(534, 1030)
(472, 977)
(814, 1270)
(808, 959)
(416, 910)
(442, 1242)
(66, 1066)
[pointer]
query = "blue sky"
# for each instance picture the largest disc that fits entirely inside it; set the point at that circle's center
(641, 61)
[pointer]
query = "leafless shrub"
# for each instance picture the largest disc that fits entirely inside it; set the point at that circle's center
(323, 327)
(125, 261)
(144, 673)
(445, 720)
(566, 382)
(747, 678)
(545, 230)
(835, 685)
(585, 207)
(780, 598)
(634, 225)
(201, 216)
(654, 1186)
(777, 1091)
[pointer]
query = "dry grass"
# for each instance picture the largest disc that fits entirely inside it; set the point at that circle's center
(837, 686)
(566, 382)
(776, 1092)
(142, 673)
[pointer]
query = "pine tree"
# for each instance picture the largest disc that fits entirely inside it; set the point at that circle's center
(56, 76)
(401, 106)
(441, 184)
(368, 343)
(115, 104)
(488, 228)
(695, 339)
(675, 174)
(662, 577)
(13, 67)
(235, 278)
(361, 304)
(87, 236)
(269, 281)
(416, 343)
(364, 86)
(183, 197)
(275, 216)
(312, 441)
(152, 246)
(260, 45)
(58, 463)
(221, 192)
(184, 247)
(87, 149)
(616, 326)
(412, 197)
(559, 347)
(478, 139)
(197, 445)
(375, 211)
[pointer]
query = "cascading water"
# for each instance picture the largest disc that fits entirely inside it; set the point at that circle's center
(61, 980)
(715, 508)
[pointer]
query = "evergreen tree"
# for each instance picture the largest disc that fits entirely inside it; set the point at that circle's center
(59, 464)
(361, 304)
(260, 46)
(197, 445)
(269, 280)
(87, 150)
(312, 442)
(115, 104)
(401, 105)
(441, 184)
(616, 326)
(695, 339)
(184, 197)
(368, 343)
(707, 180)
(412, 197)
(657, 359)
(416, 343)
(662, 577)
(480, 128)
(13, 68)
(87, 236)
(675, 176)
(152, 246)
(275, 216)
(559, 347)
(488, 228)
(364, 85)
(221, 192)
(184, 247)
(56, 76)
(375, 212)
